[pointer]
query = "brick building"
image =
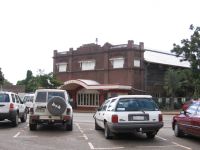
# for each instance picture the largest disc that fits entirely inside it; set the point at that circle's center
(111, 70)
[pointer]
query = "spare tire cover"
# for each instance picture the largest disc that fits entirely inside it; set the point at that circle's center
(56, 105)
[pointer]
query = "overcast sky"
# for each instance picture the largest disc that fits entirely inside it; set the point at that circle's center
(31, 29)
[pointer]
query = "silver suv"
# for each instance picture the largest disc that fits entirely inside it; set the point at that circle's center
(12, 108)
(51, 106)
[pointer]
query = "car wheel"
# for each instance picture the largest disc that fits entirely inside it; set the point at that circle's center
(24, 117)
(151, 135)
(177, 131)
(15, 120)
(33, 127)
(69, 126)
(107, 132)
(56, 105)
(97, 127)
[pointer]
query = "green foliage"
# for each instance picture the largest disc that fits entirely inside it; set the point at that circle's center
(39, 81)
(172, 82)
(1, 77)
(190, 51)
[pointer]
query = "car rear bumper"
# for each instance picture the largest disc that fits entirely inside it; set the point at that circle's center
(35, 119)
(10, 115)
(132, 127)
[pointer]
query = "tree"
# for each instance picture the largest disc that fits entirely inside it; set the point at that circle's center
(1, 79)
(41, 80)
(190, 51)
(172, 84)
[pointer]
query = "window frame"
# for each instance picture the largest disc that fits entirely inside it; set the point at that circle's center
(62, 67)
(137, 63)
(113, 61)
(84, 63)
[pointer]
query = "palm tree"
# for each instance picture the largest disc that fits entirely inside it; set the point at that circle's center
(172, 84)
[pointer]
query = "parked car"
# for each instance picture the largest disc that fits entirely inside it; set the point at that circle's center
(188, 121)
(28, 100)
(12, 108)
(129, 113)
(51, 106)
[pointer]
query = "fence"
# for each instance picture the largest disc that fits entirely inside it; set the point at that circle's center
(169, 103)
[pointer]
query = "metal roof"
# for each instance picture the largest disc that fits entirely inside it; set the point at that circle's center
(164, 58)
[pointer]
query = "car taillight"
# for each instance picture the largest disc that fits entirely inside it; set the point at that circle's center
(31, 111)
(160, 117)
(11, 107)
(68, 111)
(114, 118)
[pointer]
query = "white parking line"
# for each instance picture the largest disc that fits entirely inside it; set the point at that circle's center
(28, 136)
(161, 138)
(181, 146)
(16, 135)
(85, 136)
(92, 147)
(81, 131)
(78, 126)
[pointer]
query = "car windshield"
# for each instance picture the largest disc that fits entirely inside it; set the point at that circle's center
(27, 99)
(4, 98)
(136, 104)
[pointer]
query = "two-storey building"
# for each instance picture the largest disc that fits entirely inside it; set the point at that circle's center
(93, 73)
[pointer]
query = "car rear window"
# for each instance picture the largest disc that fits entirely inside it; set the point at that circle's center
(136, 104)
(4, 98)
(41, 97)
(52, 94)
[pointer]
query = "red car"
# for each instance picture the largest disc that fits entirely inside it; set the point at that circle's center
(188, 121)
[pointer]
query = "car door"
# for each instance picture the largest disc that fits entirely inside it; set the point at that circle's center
(100, 114)
(18, 104)
(195, 122)
(22, 106)
(188, 119)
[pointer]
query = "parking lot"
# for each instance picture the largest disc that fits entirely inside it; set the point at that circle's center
(84, 137)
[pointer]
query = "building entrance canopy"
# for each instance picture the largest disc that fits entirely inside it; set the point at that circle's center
(92, 85)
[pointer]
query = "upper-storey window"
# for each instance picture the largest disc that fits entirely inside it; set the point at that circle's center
(117, 62)
(136, 63)
(62, 67)
(87, 64)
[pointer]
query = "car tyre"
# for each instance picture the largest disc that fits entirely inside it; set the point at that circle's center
(107, 132)
(69, 126)
(177, 131)
(24, 117)
(33, 127)
(97, 127)
(151, 135)
(15, 120)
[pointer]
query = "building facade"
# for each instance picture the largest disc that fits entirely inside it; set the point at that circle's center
(115, 69)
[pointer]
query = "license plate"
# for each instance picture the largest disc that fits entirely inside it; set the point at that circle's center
(138, 117)
(40, 110)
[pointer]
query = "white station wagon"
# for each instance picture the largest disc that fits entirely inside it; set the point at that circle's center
(129, 113)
